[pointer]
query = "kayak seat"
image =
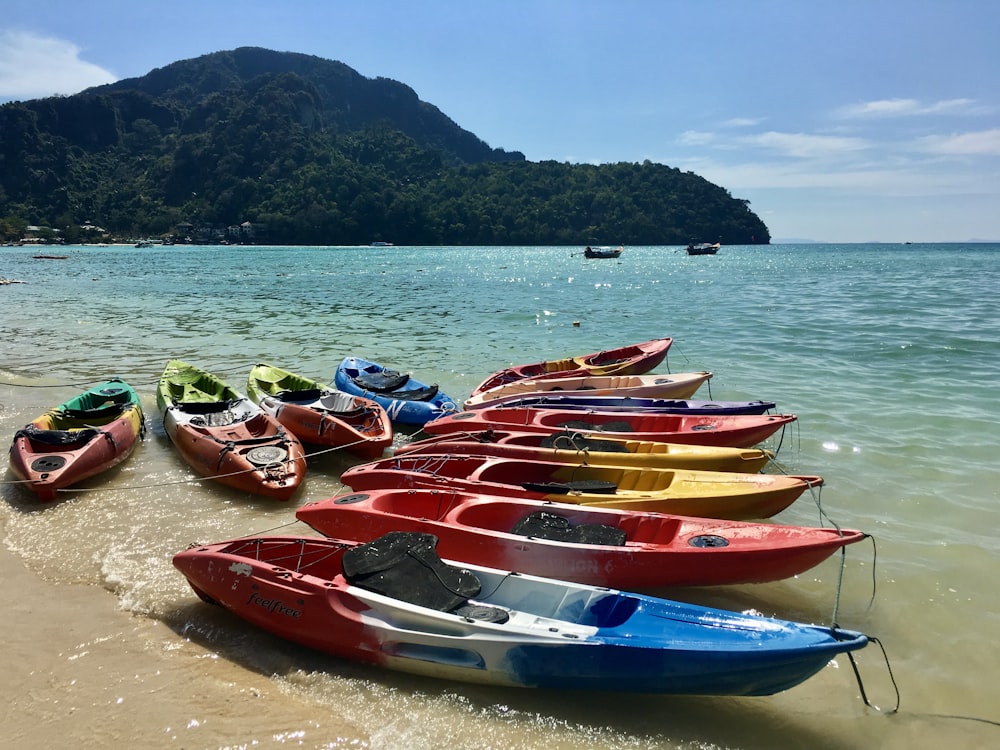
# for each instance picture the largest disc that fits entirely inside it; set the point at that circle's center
(57, 438)
(553, 527)
(389, 383)
(92, 415)
(306, 394)
(215, 419)
(605, 359)
(211, 413)
(114, 393)
(405, 565)
(417, 394)
(205, 407)
(486, 436)
(575, 441)
(383, 381)
(339, 402)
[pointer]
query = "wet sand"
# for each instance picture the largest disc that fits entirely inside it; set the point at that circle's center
(81, 672)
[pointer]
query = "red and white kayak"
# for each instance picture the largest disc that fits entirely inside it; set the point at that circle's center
(394, 603)
(673, 385)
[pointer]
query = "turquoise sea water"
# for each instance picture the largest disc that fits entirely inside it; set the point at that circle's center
(888, 354)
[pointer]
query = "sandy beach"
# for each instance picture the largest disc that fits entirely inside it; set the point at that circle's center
(83, 673)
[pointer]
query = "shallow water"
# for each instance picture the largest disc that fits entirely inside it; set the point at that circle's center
(888, 354)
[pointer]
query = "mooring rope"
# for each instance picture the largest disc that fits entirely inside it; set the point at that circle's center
(140, 381)
(47, 385)
(861, 686)
(192, 480)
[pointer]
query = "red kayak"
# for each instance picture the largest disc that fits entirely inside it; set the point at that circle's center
(225, 436)
(634, 359)
(600, 547)
(733, 430)
(709, 494)
(78, 439)
(319, 414)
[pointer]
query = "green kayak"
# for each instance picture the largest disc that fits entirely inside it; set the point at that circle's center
(225, 436)
(321, 414)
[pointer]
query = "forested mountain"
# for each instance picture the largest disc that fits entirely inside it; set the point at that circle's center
(311, 152)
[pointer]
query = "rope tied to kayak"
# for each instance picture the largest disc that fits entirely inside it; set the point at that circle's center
(423, 464)
(861, 686)
(190, 480)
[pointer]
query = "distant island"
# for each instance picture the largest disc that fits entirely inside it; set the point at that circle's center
(255, 146)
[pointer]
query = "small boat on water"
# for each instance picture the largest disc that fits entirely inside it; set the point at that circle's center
(633, 359)
(595, 449)
(223, 435)
(703, 248)
(673, 385)
(78, 439)
(683, 492)
(407, 400)
(583, 401)
(733, 430)
(596, 546)
(319, 414)
(603, 252)
(394, 603)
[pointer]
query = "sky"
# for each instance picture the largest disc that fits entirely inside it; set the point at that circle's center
(839, 120)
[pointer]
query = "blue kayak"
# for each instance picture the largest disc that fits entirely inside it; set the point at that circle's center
(407, 400)
(581, 401)
(393, 602)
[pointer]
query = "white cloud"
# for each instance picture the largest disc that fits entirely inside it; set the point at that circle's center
(742, 122)
(859, 179)
(882, 108)
(907, 108)
(763, 174)
(951, 106)
(794, 145)
(983, 143)
(33, 66)
(695, 138)
(805, 145)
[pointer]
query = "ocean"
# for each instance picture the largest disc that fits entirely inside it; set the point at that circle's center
(888, 354)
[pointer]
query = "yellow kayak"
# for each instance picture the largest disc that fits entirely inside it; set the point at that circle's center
(594, 449)
(682, 492)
